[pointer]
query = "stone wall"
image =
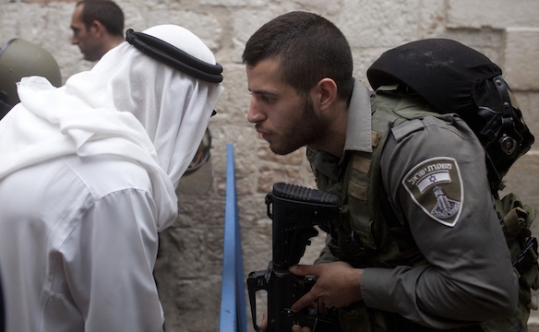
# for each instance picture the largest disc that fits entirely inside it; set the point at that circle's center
(188, 270)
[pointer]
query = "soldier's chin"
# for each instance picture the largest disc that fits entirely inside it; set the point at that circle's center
(281, 150)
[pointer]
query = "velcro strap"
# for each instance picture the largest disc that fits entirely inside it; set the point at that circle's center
(358, 185)
(361, 164)
(375, 138)
(357, 191)
(513, 222)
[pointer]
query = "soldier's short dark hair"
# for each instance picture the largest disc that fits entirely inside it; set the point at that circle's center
(309, 47)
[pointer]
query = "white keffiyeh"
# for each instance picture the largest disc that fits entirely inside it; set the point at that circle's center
(128, 105)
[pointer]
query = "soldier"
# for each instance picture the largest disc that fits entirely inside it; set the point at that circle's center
(418, 245)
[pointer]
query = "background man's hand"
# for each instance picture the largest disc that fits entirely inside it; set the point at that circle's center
(338, 284)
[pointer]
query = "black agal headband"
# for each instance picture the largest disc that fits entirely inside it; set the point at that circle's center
(170, 55)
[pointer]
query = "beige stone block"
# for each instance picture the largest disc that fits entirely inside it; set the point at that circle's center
(200, 212)
(257, 248)
(531, 115)
(245, 143)
(521, 67)
(244, 23)
(135, 14)
(323, 6)
(215, 246)
(269, 175)
(227, 3)
(205, 25)
(244, 186)
(294, 158)
(185, 247)
(431, 18)
(9, 15)
(533, 322)
(263, 3)
(233, 104)
(192, 305)
(378, 23)
(253, 211)
(497, 14)
(529, 105)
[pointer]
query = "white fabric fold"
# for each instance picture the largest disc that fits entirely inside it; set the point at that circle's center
(128, 105)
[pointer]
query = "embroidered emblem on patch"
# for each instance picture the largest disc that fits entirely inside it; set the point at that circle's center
(436, 186)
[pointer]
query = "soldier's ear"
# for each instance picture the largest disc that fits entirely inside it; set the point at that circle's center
(325, 93)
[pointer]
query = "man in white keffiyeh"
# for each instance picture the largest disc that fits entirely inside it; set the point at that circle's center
(87, 179)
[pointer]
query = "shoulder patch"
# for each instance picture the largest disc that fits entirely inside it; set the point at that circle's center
(435, 186)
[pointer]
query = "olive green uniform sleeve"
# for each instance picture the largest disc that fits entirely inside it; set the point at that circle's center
(434, 172)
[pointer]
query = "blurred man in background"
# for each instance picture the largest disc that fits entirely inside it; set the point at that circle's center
(97, 27)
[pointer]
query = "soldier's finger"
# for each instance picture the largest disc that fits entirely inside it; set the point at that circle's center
(304, 270)
(304, 301)
(297, 328)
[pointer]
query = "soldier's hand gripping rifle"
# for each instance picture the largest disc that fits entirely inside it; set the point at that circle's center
(294, 211)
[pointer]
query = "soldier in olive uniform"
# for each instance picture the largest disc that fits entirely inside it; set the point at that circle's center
(418, 244)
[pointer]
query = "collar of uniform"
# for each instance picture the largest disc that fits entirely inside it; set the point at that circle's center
(327, 164)
(358, 133)
(358, 124)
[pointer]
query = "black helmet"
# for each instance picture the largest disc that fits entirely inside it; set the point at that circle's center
(19, 58)
(454, 78)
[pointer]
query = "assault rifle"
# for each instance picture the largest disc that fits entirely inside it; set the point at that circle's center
(294, 211)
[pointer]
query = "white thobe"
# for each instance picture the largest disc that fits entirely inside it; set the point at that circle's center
(80, 235)
(87, 178)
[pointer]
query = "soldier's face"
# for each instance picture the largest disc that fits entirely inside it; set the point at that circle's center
(284, 118)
